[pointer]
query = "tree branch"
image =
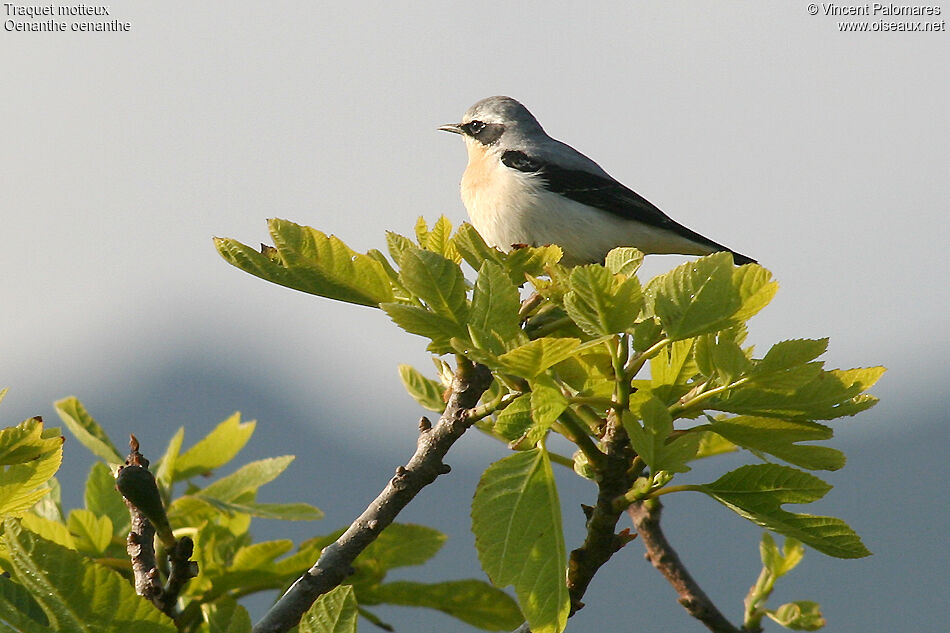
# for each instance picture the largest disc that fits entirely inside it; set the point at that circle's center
(468, 384)
(601, 541)
(646, 518)
(140, 545)
(614, 476)
(139, 491)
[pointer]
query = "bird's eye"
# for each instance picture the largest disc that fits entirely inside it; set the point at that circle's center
(474, 127)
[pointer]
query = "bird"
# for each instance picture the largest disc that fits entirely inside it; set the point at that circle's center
(523, 188)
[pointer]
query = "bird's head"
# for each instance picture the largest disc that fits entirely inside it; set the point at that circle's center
(496, 121)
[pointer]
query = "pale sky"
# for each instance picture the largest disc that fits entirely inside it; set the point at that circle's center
(822, 154)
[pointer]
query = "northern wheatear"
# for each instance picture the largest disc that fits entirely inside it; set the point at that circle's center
(523, 187)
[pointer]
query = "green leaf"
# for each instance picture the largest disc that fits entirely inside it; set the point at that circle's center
(515, 419)
(397, 245)
(533, 261)
(422, 231)
(829, 395)
(484, 344)
(722, 357)
(247, 478)
(786, 381)
(495, 305)
(50, 529)
(102, 499)
(590, 373)
(653, 442)
(802, 615)
(756, 290)
(216, 449)
(312, 262)
(235, 494)
(777, 437)
(770, 554)
(165, 472)
(475, 251)
(529, 416)
(792, 553)
(780, 484)
(39, 457)
(87, 430)
(94, 533)
(756, 492)
(695, 298)
(674, 364)
(251, 569)
(75, 593)
(624, 260)
(225, 615)
(333, 612)
(328, 266)
(425, 391)
(14, 502)
(531, 359)
(472, 601)
(421, 322)
(439, 240)
(551, 283)
(50, 505)
(25, 442)
(475, 354)
(259, 555)
(779, 563)
(516, 519)
(601, 303)
(860, 377)
(788, 354)
(786, 366)
(438, 282)
(711, 444)
(403, 545)
(646, 334)
(281, 511)
(446, 373)
(398, 290)
(18, 610)
(547, 403)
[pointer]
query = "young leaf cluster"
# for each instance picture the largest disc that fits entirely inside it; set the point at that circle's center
(659, 371)
(802, 615)
(70, 571)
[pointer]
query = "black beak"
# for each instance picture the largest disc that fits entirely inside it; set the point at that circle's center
(455, 128)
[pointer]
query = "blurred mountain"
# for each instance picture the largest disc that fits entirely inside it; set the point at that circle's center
(890, 492)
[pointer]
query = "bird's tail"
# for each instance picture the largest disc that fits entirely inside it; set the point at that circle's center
(741, 259)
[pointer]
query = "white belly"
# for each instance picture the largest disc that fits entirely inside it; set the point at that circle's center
(501, 202)
(508, 207)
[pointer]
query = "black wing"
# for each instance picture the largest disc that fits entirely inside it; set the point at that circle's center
(608, 195)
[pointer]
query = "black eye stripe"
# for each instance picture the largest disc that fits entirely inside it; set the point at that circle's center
(484, 133)
(474, 127)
